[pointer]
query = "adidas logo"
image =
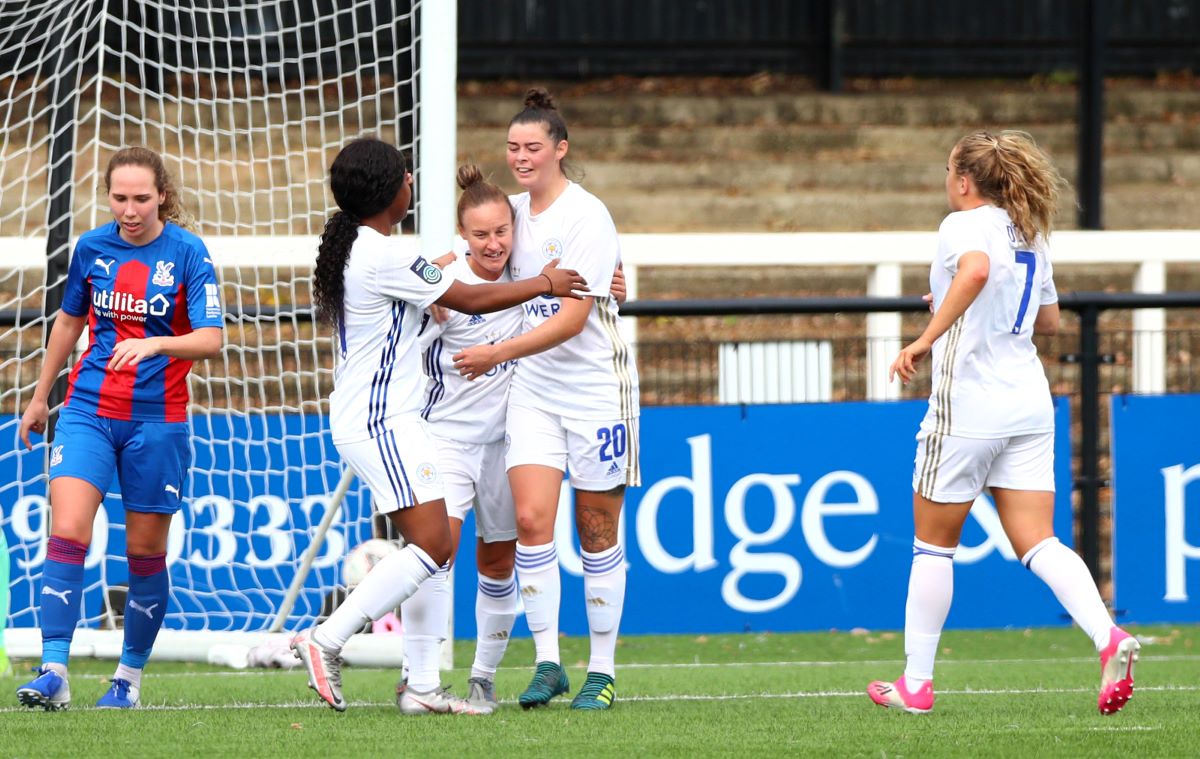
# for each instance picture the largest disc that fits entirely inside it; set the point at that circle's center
(499, 635)
(475, 319)
(614, 469)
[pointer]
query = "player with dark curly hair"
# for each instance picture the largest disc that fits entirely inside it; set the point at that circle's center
(374, 291)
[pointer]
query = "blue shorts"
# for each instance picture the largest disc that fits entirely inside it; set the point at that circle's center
(150, 459)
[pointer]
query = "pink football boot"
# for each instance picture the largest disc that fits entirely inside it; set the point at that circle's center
(896, 696)
(1116, 671)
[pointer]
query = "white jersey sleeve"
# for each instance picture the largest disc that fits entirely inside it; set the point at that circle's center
(591, 248)
(378, 379)
(1049, 291)
(957, 237)
(411, 279)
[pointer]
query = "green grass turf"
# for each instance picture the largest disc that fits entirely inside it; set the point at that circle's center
(1000, 693)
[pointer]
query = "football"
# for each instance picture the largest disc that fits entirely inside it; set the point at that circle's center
(364, 556)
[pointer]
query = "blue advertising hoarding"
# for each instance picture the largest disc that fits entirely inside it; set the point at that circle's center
(1156, 507)
(781, 517)
(259, 485)
(790, 517)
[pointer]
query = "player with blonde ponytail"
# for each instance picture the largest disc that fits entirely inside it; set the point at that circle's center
(990, 422)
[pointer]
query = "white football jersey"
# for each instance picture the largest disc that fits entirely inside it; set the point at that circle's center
(378, 374)
(987, 379)
(592, 375)
(457, 408)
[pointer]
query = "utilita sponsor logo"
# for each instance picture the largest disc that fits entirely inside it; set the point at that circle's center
(112, 304)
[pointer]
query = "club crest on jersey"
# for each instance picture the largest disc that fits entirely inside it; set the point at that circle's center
(427, 473)
(552, 249)
(162, 273)
(426, 271)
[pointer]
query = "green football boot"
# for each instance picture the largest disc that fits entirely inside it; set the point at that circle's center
(599, 691)
(549, 680)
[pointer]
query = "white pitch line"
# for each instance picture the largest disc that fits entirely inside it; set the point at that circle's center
(675, 697)
(714, 665)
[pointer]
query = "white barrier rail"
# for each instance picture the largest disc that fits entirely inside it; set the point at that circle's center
(883, 253)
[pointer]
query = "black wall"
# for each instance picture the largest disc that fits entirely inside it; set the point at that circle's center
(873, 38)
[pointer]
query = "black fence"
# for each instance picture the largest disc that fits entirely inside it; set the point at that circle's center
(825, 39)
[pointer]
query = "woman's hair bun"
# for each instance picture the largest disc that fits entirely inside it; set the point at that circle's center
(469, 174)
(539, 97)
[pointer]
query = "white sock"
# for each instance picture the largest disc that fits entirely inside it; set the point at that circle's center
(930, 590)
(60, 669)
(385, 587)
(426, 617)
(129, 674)
(604, 592)
(495, 611)
(1073, 586)
(541, 590)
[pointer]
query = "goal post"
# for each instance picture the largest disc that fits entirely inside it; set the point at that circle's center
(248, 103)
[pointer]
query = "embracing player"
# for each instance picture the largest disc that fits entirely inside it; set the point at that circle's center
(573, 406)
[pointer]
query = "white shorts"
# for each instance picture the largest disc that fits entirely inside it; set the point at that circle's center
(400, 466)
(599, 455)
(956, 469)
(474, 475)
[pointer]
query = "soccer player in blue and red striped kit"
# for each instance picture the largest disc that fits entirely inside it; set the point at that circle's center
(147, 291)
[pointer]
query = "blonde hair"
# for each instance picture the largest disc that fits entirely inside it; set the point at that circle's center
(1011, 171)
(477, 191)
(170, 209)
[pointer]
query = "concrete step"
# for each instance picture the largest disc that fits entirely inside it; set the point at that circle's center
(805, 142)
(757, 177)
(1136, 206)
(906, 109)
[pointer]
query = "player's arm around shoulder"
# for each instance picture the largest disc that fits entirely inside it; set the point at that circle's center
(568, 322)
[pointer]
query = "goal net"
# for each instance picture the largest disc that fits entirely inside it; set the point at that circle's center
(248, 102)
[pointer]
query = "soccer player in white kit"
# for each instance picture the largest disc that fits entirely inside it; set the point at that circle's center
(573, 406)
(990, 421)
(467, 422)
(375, 294)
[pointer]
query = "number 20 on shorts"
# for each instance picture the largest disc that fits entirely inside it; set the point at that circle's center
(612, 442)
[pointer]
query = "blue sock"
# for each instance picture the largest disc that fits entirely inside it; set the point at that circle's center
(145, 607)
(62, 591)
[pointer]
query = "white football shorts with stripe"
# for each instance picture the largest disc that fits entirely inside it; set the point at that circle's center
(952, 469)
(599, 455)
(473, 475)
(399, 465)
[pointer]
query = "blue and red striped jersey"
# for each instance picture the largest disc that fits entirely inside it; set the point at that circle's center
(167, 287)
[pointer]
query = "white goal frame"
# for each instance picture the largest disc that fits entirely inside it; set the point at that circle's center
(435, 147)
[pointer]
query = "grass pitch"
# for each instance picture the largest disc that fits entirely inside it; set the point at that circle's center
(1000, 693)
